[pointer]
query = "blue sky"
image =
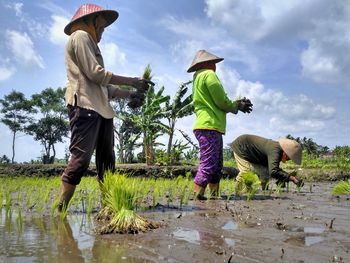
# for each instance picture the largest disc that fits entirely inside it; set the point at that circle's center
(291, 58)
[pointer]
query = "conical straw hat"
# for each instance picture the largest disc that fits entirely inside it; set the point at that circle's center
(88, 9)
(292, 149)
(203, 56)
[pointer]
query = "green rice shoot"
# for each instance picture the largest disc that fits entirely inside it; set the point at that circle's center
(342, 188)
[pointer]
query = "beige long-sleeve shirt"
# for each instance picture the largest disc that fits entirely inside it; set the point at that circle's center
(88, 80)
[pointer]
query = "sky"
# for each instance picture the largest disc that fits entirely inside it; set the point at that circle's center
(291, 58)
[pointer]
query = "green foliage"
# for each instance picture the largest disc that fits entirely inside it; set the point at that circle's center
(178, 108)
(322, 162)
(119, 192)
(342, 188)
(309, 146)
(148, 120)
(161, 157)
(192, 154)
(228, 154)
(4, 159)
(120, 196)
(15, 110)
(248, 183)
(342, 152)
(51, 127)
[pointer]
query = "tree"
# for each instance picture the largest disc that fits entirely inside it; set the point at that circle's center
(311, 147)
(177, 109)
(52, 127)
(4, 159)
(16, 111)
(149, 118)
(127, 133)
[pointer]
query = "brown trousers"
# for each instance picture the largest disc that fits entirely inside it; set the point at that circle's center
(89, 132)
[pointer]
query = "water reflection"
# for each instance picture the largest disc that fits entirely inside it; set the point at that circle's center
(66, 244)
(46, 239)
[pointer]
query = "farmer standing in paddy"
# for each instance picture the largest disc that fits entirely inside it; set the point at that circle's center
(211, 105)
(88, 93)
(263, 156)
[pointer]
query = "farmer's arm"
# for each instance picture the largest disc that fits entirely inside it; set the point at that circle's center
(278, 173)
(274, 159)
(219, 95)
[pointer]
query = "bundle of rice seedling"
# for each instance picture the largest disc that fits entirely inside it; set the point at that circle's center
(248, 183)
(342, 188)
(118, 215)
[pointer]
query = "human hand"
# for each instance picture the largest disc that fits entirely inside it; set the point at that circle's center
(136, 100)
(292, 177)
(245, 105)
(141, 84)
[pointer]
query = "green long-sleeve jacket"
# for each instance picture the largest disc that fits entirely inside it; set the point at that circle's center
(210, 102)
(261, 151)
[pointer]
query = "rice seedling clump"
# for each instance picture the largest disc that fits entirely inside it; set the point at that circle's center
(120, 199)
(342, 188)
(248, 183)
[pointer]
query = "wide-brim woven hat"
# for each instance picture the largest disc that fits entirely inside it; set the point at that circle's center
(88, 9)
(202, 56)
(292, 148)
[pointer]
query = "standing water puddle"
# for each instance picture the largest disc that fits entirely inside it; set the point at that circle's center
(230, 225)
(312, 233)
(189, 235)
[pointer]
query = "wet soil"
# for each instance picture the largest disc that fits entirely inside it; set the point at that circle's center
(307, 226)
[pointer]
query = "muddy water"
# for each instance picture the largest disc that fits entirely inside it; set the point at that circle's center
(289, 227)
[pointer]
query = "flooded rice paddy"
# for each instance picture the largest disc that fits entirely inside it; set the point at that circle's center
(306, 226)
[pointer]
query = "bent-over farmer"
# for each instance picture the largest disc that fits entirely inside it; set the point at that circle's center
(263, 156)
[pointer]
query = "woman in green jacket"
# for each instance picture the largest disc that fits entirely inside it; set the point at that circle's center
(211, 105)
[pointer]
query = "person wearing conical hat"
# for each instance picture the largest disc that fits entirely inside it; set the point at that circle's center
(211, 104)
(89, 90)
(263, 157)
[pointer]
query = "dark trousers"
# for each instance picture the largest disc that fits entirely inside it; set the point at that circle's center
(89, 132)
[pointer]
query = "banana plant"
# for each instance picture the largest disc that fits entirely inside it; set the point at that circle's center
(149, 118)
(175, 110)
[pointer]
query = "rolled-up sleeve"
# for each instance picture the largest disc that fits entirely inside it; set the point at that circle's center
(86, 55)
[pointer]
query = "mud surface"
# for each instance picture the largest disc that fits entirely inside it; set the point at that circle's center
(288, 227)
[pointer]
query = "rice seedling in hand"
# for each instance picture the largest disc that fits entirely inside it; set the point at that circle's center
(342, 188)
(118, 214)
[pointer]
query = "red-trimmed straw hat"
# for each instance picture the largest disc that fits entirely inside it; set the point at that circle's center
(89, 9)
(202, 56)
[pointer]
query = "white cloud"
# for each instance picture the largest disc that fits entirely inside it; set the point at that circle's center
(113, 56)
(320, 25)
(6, 72)
(22, 48)
(274, 110)
(18, 8)
(56, 34)
(214, 39)
(237, 16)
